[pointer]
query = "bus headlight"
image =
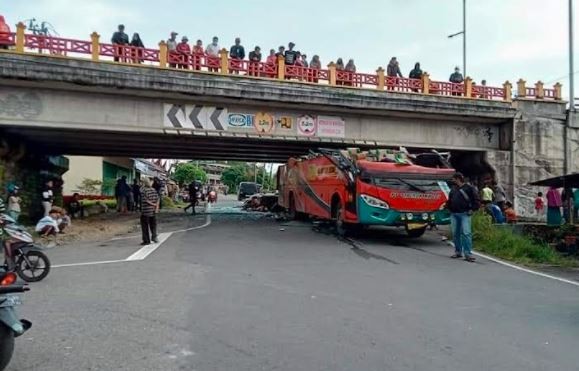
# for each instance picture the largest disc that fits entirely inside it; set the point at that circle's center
(375, 202)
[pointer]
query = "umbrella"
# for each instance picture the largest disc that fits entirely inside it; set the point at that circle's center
(563, 181)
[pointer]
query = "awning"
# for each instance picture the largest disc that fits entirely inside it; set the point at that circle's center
(563, 181)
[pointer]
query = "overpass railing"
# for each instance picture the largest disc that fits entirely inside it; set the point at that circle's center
(20, 42)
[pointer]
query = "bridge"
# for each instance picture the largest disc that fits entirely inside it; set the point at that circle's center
(64, 96)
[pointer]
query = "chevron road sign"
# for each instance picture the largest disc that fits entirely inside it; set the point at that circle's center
(188, 116)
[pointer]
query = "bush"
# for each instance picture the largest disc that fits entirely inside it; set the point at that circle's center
(501, 242)
(168, 202)
(111, 204)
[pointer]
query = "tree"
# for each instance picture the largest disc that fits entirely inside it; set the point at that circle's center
(186, 172)
(234, 175)
(90, 186)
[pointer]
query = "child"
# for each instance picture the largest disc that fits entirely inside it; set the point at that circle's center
(48, 226)
(539, 204)
(510, 213)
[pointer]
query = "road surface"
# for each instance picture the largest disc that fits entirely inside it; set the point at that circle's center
(246, 292)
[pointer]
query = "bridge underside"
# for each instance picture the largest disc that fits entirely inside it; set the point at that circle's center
(153, 145)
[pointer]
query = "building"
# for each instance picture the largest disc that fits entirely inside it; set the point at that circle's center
(214, 170)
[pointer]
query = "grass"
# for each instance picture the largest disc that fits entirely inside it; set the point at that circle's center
(503, 243)
(111, 204)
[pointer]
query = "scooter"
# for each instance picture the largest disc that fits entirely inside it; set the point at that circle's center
(23, 257)
(10, 326)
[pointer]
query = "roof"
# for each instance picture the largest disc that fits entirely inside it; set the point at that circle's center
(402, 168)
(563, 181)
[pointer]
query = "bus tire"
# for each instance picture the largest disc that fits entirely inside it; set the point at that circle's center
(415, 233)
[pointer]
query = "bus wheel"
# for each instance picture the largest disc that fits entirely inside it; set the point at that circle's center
(415, 233)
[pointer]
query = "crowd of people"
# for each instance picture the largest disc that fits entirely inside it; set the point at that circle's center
(185, 56)
(557, 201)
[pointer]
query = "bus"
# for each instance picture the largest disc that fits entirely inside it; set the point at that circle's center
(359, 190)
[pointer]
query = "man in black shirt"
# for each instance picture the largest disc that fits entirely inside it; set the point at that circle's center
(192, 190)
(237, 51)
(120, 38)
(290, 55)
(463, 200)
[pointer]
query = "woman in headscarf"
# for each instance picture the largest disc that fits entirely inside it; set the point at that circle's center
(351, 68)
(138, 47)
(339, 69)
(554, 204)
(315, 67)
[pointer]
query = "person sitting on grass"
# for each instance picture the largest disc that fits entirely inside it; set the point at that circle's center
(510, 213)
(48, 226)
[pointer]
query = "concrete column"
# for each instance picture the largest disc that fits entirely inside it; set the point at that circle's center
(20, 27)
(223, 54)
(95, 46)
(332, 73)
(539, 90)
(425, 83)
(508, 97)
(521, 88)
(557, 88)
(280, 67)
(468, 87)
(381, 78)
(163, 54)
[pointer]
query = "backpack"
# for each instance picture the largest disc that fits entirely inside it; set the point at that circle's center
(474, 205)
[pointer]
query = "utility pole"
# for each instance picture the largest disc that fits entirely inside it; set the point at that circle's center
(571, 62)
(463, 33)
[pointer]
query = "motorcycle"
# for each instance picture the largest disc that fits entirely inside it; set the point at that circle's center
(10, 326)
(21, 254)
(212, 197)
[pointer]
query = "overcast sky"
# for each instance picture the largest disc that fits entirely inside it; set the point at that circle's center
(506, 39)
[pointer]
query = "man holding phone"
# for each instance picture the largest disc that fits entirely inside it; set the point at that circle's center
(463, 200)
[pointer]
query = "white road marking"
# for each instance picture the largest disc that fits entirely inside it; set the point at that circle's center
(519, 268)
(142, 253)
(145, 251)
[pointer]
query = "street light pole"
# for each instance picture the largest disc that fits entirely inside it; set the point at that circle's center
(571, 62)
(463, 33)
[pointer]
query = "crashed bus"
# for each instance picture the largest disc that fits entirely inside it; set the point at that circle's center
(355, 189)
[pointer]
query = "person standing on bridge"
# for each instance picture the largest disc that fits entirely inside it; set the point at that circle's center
(315, 67)
(237, 54)
(456, 78)
(393, 71)
(149, 208)
(212, 53)
(254, 59)
(120, 38)
(198, 54)
(416, 74)
(172, 47)
(290, 55)
(138, 47)
(462, 201)
(184, 51)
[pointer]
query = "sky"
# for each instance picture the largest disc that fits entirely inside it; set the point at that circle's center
(506, 39)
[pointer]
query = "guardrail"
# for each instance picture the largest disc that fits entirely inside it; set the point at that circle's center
(20, 42)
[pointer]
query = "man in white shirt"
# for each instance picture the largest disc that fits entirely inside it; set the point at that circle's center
(212, 52)
(172, 46)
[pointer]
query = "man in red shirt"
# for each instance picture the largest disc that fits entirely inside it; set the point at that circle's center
(198, 53)
(184, 51)
(5, 39)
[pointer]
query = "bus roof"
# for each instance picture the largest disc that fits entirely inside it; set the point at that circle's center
(402, 168)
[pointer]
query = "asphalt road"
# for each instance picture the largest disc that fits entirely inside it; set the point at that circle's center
(250, 293)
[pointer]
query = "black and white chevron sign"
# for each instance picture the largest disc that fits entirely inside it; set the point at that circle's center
(195, 117)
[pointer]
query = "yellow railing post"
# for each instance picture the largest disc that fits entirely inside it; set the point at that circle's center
(20, 27)
(425, 83)
(521, 88)
(508, 97)
(280, 67)
(539, 90)
(332, 73)
(557, 88)
(163, 54)
(381, 78)
(468, 87)
(95, 46)
(224, 69)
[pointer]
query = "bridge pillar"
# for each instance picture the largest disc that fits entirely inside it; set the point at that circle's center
(557, 88)
(224, 69)
(468, 87)
(280, 67)
(381, 78)
(425, 83)
(163, 54)
(20, 27)
(521, 88)
(332, 73)
(508, 97)
(95, 47)
(539, 90)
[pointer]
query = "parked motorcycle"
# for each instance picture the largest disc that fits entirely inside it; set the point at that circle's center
(10, 326)
(23, 257)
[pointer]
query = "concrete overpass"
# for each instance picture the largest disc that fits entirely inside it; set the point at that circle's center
(81, 107)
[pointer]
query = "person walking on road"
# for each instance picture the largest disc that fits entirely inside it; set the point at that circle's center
(463, 200)
(149, 207)
(136, 194)
(192, 189)
(121, 192)
(554, 204)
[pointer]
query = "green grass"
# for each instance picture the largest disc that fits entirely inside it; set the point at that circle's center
(501, 242)
(111, 204)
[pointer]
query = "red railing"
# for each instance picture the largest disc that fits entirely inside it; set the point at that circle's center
(7, 39)
(202, 62)
(57, 45)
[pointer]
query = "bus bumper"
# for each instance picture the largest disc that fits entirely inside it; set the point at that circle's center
(371, 215)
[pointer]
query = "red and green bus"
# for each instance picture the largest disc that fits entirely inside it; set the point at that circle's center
(354, 192)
